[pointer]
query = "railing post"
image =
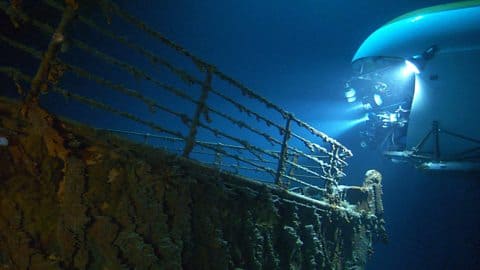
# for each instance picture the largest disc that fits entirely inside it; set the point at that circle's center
(53, 47)
(283, 152)
(201, 107)
(331, 185)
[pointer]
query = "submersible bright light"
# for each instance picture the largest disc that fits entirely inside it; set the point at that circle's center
(393, 117)
(350, 92)
(378, 99)
(410, 68)
(350, 95)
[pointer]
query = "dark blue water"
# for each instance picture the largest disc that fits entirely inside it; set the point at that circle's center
(297, 53)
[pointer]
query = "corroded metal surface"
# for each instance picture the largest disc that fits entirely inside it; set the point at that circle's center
(90, 201)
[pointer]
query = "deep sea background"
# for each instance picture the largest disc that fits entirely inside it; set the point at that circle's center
(297, 54)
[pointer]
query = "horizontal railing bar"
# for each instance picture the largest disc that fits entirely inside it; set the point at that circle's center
(314, 146)
(227, 165)
(109, 84)
(323, 165)
(17, 45)
(132, 93)
(310, 157)
(177, 92)
(245, 90)
(223, 164)
(243, 168)
(249, 147)
(134, 71)
(139, 73)
(301, 182)
(310, 145)
(189, 77)
(215, 144)
(17, 74)
(111, 109)
(302, 168)
(140, 134)
(236, 167)
(248, 111)
(307, 176)
(155, 59)
(144, 27)
(331, 169)
(129, 92)
(170, 138)
(322, 135)
(116, 111)
(236, 157)
(248, 92)
(242, 124)
(201, 143)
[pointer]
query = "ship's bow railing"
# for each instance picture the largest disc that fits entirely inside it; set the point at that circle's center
(157, 92)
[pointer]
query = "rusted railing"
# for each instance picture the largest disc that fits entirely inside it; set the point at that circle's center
(214, 116)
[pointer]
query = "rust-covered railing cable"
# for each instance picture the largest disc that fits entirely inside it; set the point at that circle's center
(137, 73)
(155, 59)
(245, 90)
(250, 147)
(135, 94)
(144, 27)
(254, 164)
(313, 158)
(100, 105)
(183, 74)
(306, 168)
(345, 151)
(152, 104)
(221, 145)
(262, 168)
(325, 160)
(248, 111)
(16, 74)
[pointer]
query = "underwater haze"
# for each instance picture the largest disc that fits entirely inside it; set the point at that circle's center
(298, 54)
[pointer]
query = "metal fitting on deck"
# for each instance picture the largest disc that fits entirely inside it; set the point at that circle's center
(373, 182)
